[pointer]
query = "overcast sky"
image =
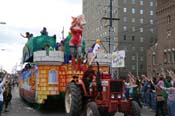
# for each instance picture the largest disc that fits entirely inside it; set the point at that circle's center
(31, 15)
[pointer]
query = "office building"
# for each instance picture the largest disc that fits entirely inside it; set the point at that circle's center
(134, 32)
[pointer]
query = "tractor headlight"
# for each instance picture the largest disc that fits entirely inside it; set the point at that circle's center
(104, 83)
(112, 96)
(119, 96)
(104, 89)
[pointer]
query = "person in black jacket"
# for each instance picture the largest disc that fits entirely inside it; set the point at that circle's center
(7, 95)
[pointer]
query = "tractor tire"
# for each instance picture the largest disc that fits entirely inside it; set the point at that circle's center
(37, 106)
(92, 109)
(73, 100)
(104, 112)
(135, 109)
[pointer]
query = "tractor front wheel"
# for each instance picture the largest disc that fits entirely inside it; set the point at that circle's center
(92, 109)
(135, 109)
(73, 100)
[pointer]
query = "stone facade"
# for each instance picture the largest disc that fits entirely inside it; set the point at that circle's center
(161, 56)
(50, 57)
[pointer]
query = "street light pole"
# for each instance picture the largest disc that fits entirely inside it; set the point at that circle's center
(110, 30)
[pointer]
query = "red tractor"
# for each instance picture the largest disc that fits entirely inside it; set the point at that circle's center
(98, 96)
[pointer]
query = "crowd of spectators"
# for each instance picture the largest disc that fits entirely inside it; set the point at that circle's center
(155, 93)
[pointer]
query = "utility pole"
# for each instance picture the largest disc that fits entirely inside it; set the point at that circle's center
(111, 31)
(111, 37)
(111, 34)
(137, 65)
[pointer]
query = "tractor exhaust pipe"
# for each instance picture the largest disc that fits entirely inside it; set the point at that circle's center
(98, 81)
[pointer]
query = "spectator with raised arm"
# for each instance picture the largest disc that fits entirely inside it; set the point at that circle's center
(2, 91)
(159, 96)
(171, 98)
(134, 88)
(171, 74)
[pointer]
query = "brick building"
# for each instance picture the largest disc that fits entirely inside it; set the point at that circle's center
(161, 56)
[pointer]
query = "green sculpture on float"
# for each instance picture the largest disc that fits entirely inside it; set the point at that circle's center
(35, 44)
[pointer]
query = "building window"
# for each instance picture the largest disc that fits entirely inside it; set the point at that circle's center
(151, 13)
(133, 29)
(133, 1)
(173, 56)
(141, 21)
(168, 33)
(165, 57)
(152, 30)
(133, 11)
(133, 38)
(141, 2)
(133, 20)
(141, 49)
(133, 48)
(151, 3)
(151, 21)
(125, 48)
(169, 18)
(169, 57)
(124, 28)
(141, 66)
(153, 59)
(141, 11)
(141, 39)
(124, 37)
(141, 58)
(124, 10)
(124, 19)
(133, 57)
(133, 67)
(124, 1)
(141, 29)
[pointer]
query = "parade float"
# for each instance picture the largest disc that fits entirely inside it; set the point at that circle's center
(45, 74)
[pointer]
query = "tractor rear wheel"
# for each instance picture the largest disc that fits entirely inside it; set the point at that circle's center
(73, 100)
(37, 106)
(135, 109)
(92, 109)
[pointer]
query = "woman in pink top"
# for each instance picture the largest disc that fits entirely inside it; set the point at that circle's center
(159, 97)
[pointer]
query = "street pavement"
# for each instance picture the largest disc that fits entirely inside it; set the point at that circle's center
(144, 112)
(18, 107)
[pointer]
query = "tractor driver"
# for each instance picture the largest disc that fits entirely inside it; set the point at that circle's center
(88, 77)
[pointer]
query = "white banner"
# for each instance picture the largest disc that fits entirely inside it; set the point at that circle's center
(118, 59)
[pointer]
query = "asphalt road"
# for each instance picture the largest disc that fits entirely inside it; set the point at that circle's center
(18, 107)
